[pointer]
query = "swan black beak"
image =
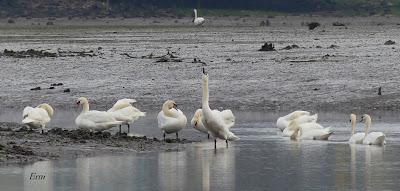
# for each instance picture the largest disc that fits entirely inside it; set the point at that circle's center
(175, 106)
(204, 71)
(362, 119)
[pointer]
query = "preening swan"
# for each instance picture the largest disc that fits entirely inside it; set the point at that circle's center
(218, 123)
(311, 131)
(123, 110)
(37, 117)
(198, 21)
(372, 138)
(171, 119)
(284, 121)
(197, 122)
(312, 119)
(356, 138)
(94, 120)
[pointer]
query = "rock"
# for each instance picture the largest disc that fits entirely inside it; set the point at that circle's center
(67, 90)
(51, 87)
(380, 91)
(57, 84)
(267, 47)
(289, 47)
(338, 24)
(390, 42)
(49, 23)
(36, 88)
(333, 46)
(10, 21)
(313, 25)
(264, 23)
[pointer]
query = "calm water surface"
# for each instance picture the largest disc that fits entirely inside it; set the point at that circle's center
(261, 160)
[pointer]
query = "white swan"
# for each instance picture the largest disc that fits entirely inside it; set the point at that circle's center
(198, 21)
(123, 110)
(284, 121)
(311, 131)
(94, 120)
(197, 122)
(37, 117)
(218, 123)
(287, 132)
(170, 119)
(372, 138)
(356, 138)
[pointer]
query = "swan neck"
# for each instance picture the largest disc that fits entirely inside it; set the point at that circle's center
(206, 94)
(367, 126)
(195, 14)
(85, 107)
(353, 128)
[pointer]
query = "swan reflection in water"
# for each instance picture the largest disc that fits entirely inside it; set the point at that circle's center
(39, 176)
(203, 169)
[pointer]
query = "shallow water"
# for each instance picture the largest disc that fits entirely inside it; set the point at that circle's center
(261, 160)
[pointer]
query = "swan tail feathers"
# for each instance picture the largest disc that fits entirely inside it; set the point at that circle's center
(232, 137)
(381, 140)
(27, 121)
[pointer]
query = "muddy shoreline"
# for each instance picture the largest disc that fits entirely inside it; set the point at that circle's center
(20, 145)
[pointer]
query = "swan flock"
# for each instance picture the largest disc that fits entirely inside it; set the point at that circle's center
(297, 125)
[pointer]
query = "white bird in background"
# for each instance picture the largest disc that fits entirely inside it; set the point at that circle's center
(283, 122)
(356, 138)
(123, 110)
(198, 21)
(311, 131)
(197, 122)
(288, 131)
(171, 119)
(218, 123)
(372, 138)
(93, 119)
(37, 117)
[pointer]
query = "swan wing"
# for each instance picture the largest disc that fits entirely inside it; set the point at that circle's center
(228, 117)
(375, 138)
(98, 116)
(316, 134)
(26, 111)
(38, 115)
(171, 124)
(357, 138)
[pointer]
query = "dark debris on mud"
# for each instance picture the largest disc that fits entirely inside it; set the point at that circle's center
(32, 53)
(18, 144)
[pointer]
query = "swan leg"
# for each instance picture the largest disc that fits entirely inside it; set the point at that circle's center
(129, 128)
(164, 135)
(177, 136)
(208, 136)
(226, 143)
(43, 129)
(120, 129)
(215, 143)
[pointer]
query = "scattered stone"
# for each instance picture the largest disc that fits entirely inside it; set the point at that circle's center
(267, 47)
(333, 46)
(57, 84)
(10, 21)
(36, 88)
(337, 24)
(16, 149)
(313, 25)
(49, 23)
(30, 53)
(129, 56)
(316, 89)
(289, 47)
(390, 42)
(67, 90)
(380, 91)
(264, 23)
(51, 87)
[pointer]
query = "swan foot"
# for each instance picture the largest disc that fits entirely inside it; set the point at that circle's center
(120, 129)
(42, 131)
(129, 128)
(226, 143)
(215, 143)
(208, 136)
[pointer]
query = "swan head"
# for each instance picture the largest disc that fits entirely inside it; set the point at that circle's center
(366, 118)
(81, 101)
(169, 104)
(205, 75)
(48, 108)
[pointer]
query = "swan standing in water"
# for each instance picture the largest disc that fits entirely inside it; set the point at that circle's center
(198, 21)
(197, 122)
(94, 120)
(283, 122)
(171, 119)
(37, 117)
(218, 123)
(312, 119)
(356, 138)
(311, 131)
(123, 110)
(372, 138)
